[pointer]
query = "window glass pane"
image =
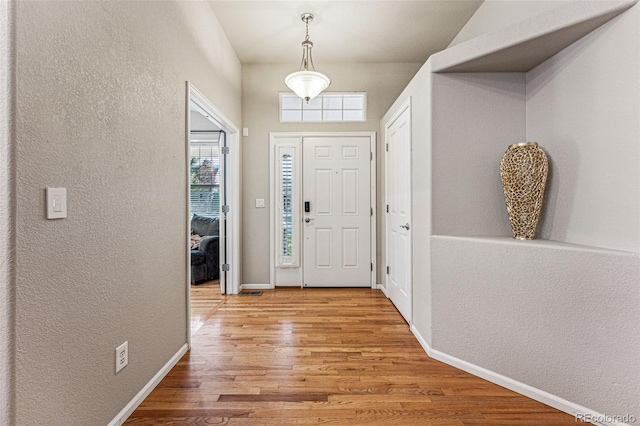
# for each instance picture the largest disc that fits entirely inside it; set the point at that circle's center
(315, 103)
(205, 201)
(331, 107)
(312, 115)
(291, 102)
(332, 102)
(204, 177)
(332, 115)
(353, 115)
(287, 208)
(353, 102)
(292, 115)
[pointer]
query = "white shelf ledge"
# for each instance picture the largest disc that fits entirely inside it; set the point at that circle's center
(558, 245)
(523, 46)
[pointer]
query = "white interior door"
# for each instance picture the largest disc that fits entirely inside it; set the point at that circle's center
(398, 188)
(337, 225)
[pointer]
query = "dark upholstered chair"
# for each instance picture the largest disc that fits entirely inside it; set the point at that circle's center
(205, 260)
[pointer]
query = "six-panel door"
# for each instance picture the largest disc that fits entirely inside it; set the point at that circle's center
(337, 228)
(399, 213)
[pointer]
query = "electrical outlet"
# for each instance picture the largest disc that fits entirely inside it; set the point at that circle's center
(122, 356)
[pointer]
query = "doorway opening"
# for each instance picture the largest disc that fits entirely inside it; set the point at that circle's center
(212, 168)
(206, 198)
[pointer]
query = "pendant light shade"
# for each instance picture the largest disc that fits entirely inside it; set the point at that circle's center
(304, 83)
(307, 84)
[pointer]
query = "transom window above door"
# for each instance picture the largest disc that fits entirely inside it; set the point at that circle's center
(326, 107)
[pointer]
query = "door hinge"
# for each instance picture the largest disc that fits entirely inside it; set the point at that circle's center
(387, 270)
(387, 147)
(226, 267)
(225, 209)
(371, 266)
(225, 150)
(371, 211)
(387, 208)
(371, 159)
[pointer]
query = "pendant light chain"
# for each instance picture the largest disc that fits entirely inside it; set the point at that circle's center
(307, 58)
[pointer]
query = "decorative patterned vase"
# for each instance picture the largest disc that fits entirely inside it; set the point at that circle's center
(523, 171)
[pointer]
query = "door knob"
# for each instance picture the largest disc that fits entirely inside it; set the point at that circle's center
(405, 226)
(307, 219)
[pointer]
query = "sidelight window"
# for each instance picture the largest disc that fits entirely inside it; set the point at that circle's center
(287, 206)
(287, 201)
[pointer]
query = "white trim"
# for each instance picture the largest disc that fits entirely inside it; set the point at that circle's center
(128, 409)
(511, 384)
(273, 137)
(373, 168)
(187, 171)
(274, 143)
(293, 150)
(256, 287)
(272, 227)
(383, 289)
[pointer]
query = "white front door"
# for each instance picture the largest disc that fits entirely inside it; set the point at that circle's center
(398, 137)
(337, 218)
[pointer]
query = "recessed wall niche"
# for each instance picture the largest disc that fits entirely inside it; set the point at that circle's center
(552, 98)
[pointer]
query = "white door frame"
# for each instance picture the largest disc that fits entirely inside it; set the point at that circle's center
(273, 140)
(232, 176)
(387, 125)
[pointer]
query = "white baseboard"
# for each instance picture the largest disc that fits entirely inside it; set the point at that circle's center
(383, 289)
(255, 287)
(516, 386)
(124, 414)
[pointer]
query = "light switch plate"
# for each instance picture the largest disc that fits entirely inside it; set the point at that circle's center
(245, 131)
(259, 203)
(56, 203)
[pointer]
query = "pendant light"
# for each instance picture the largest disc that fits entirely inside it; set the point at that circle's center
(307, 84)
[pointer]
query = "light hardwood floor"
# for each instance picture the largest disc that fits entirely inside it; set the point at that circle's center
(338, 356)
(205, 301)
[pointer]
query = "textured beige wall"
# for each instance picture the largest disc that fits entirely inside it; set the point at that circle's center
(576, 115)
(101, 111)
(7, 213)
(261, 84)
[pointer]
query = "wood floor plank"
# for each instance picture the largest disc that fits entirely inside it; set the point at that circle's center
(321, 356)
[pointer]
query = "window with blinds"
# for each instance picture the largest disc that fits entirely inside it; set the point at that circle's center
(204, 160)
(287, 205)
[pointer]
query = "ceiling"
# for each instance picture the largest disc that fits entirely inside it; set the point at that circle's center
(200, 120)
(357, 31)
(200, 123)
